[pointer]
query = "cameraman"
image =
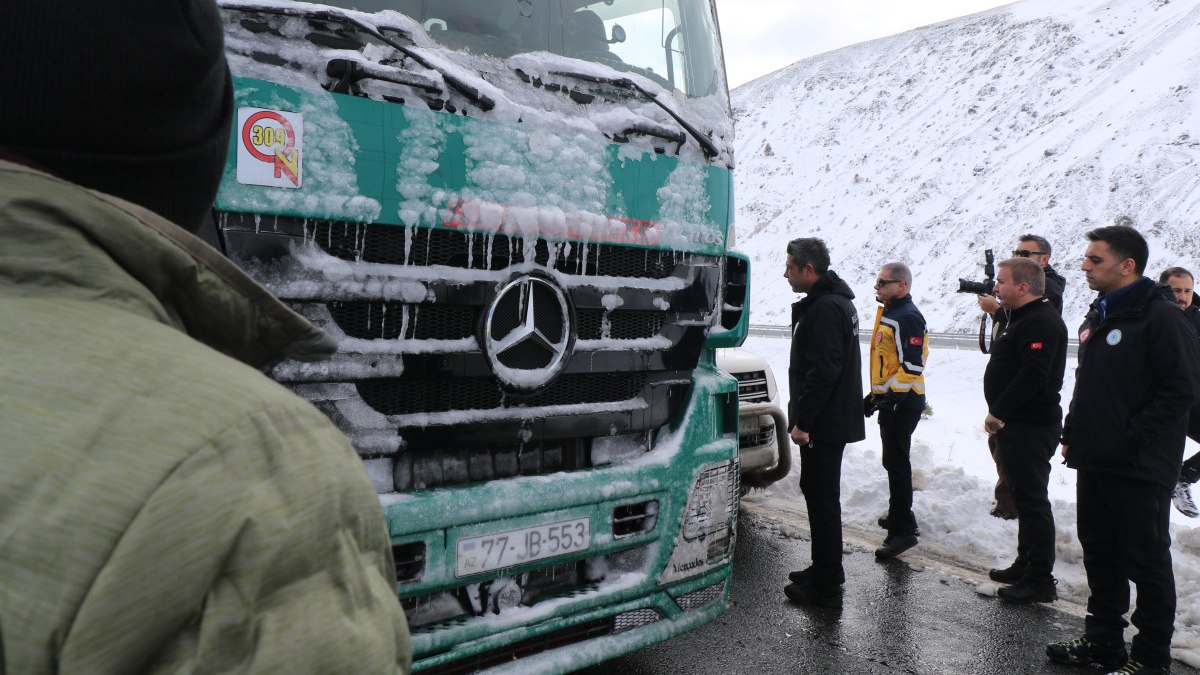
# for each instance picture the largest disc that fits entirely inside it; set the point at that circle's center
(1036, 248)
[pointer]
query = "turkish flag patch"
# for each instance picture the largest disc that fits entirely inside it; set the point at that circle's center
(1035, 345)
(914, 341)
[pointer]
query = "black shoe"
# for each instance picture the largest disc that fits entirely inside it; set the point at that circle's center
(1009, 575)
(1029, 590)
(1082, 651)
(1137, 667)
(805, 576)
(814, 595)
(894, 545)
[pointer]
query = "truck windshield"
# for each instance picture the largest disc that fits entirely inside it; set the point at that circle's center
(673, 42)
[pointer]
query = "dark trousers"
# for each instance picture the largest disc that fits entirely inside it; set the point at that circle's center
(1123, 527)
(895, 430)
(1024, 450)
(821, 482)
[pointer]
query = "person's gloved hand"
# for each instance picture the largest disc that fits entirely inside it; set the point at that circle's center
(869, 405)
(886, 403)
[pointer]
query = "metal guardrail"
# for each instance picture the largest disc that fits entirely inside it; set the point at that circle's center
(968, 341)
(764, 330)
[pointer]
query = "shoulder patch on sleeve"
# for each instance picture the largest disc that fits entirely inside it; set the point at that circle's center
(915, 341)
(1035, 345)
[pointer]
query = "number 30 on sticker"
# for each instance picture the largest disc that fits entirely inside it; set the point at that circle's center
(270, 147)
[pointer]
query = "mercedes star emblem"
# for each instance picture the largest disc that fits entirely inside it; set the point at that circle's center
(528, 334)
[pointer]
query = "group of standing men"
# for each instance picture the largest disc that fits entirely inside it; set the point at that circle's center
(1137, 380)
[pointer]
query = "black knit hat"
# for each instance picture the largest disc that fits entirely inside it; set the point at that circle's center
(129, 98)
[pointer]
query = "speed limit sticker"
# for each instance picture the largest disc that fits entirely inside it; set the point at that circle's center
(269, 147)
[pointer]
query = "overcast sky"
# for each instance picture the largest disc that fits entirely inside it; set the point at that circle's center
(762, 36)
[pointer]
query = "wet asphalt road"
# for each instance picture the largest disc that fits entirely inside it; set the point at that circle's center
(909, 615)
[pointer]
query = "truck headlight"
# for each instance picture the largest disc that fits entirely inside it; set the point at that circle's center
(706, 535)
(712, 502)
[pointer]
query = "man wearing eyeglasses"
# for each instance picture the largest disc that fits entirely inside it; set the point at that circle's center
(899, 349)
(1137, 379)
(1183, 285)
(1036, 248)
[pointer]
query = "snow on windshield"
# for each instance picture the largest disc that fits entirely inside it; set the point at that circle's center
(302, 63)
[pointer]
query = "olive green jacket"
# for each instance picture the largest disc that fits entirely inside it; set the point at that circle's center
(165, 507)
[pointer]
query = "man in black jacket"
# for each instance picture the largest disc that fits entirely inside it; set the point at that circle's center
(1037, 248)
(1183, 285)
(1138, 377)
(1021, 385)
(825, 410)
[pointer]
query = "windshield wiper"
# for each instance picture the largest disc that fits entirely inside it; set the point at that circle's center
(706, 144)
(484, 102)
(348, 72)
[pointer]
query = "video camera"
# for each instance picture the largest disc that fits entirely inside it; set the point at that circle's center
(986, 286)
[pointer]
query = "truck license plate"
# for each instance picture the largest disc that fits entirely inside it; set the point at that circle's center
(505, 549)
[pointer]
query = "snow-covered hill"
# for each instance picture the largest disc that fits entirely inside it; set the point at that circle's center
(1044, 116)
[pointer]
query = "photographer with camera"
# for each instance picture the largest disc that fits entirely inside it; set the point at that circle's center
(899, 349)
(1036, 248)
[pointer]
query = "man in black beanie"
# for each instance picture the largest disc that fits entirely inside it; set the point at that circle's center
(133, 99)
(164, 506)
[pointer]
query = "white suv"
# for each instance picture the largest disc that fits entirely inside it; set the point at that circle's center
(763, 449)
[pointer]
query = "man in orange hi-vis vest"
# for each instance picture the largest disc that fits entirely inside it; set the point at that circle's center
(899, 348)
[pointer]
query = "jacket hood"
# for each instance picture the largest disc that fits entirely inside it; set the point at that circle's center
(830, 282)
(63, 241)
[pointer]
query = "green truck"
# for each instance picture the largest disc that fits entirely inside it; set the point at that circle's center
(515, 216)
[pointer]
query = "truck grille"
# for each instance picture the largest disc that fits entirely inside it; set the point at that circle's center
(453, 607)
(433, 465)
(752, 386)
(407, 396)
(563, 637)
(411, 382)
(396, 320)
(370, 320)
(765, 436)
(422, 247)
